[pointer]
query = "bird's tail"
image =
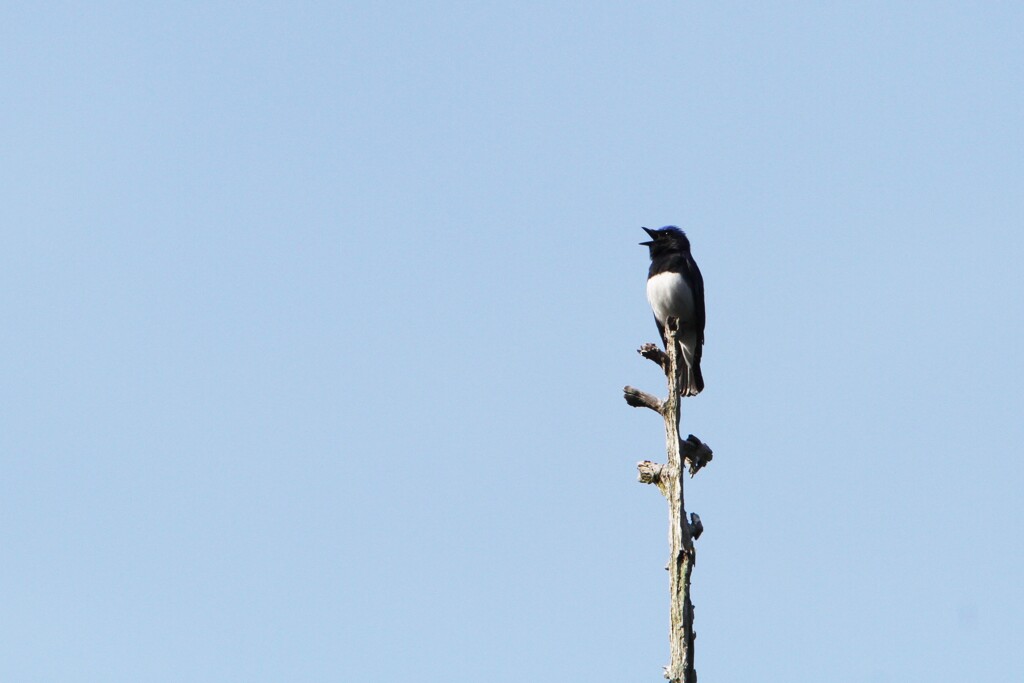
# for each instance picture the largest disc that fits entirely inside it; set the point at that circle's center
(693, 380)
(694, 383)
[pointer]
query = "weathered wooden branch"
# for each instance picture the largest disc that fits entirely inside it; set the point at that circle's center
(641, 399)
(654, 353)
(650, 472)
(668, 479)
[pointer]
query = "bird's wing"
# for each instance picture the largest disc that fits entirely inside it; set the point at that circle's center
(661, 331)
(697, 282)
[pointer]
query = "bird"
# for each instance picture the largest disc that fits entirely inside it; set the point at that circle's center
(675, 289)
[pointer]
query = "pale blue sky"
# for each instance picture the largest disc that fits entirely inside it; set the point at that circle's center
(316, 318)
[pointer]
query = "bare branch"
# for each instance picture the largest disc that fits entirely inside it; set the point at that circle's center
(641, 399)
(667, 477)
(653, 353)
(650, 472)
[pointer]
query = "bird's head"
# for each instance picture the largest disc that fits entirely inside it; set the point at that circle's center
(666, 241)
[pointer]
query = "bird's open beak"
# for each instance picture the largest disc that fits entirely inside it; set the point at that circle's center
(653, 235)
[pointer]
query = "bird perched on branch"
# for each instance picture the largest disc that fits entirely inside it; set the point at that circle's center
(675, 289)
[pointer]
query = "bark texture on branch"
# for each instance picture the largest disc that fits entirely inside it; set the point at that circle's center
(668, 478)
(641, 399)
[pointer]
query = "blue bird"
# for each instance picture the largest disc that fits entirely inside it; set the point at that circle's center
(675, 289)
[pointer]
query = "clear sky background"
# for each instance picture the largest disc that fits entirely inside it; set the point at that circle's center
(316, 319)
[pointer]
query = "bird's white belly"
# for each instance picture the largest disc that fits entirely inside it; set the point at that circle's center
(670, 296)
